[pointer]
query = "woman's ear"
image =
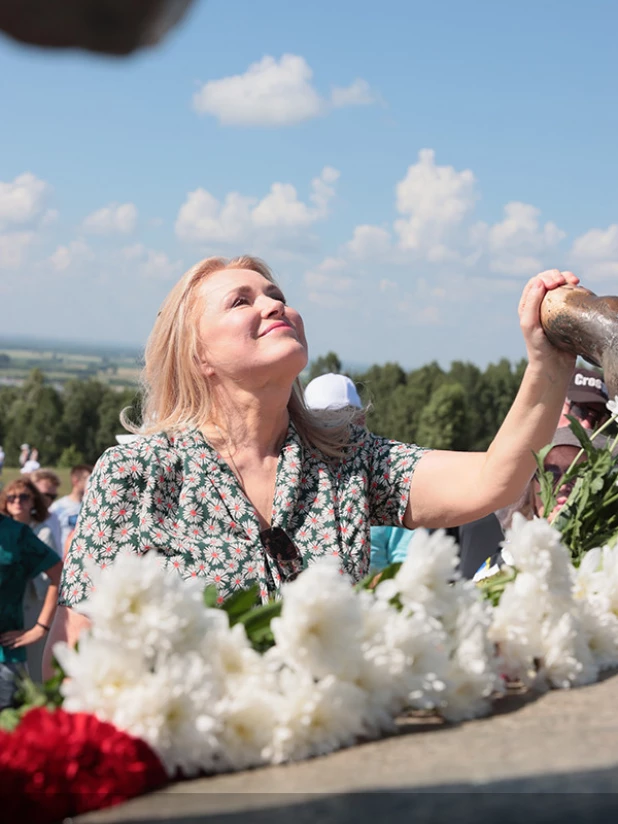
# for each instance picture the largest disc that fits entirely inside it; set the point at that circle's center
(206, 370)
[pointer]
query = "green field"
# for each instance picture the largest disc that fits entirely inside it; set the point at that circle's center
(10, 473)
(64, 362)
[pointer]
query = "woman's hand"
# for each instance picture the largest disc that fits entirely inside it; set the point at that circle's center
(540, 350)
(15, 638)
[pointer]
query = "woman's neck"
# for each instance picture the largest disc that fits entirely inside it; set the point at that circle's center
(250, 423)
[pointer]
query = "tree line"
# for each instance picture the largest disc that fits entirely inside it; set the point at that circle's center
(461, 408)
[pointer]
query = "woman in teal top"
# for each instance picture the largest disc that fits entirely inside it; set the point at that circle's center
(22, 557)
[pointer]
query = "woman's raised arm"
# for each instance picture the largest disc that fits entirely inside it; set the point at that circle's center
(452, 488)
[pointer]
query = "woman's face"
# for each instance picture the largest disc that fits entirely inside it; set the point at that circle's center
(557, 462)
(249, 335)
(19, 503)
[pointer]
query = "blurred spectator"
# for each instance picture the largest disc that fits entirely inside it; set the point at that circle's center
(565, 448)
(32, 464)
(389, 544)
(67, 509)
(21, 501)
(24, 453)
(48, 484)
(332, 391)
(586, 400)
(2, 457)
(24, 558)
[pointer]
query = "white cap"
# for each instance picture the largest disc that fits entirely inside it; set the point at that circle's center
(332, 392)
(124, 439)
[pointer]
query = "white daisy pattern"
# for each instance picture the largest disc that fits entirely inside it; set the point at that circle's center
(177, 495)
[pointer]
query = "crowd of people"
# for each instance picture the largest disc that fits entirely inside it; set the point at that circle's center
(35, 532)
(239, 476)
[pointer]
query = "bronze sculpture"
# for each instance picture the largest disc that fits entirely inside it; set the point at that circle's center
(585, 324)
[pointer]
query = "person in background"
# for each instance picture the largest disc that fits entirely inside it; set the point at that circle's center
(586, 399)
(67, 508)
(2, 457)
(21, 501)
(389, 544)
(32, 464)
(334, 392)
(24, 453)
(48, 484)
(565, 448)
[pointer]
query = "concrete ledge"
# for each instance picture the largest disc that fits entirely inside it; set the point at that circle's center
(558, 750)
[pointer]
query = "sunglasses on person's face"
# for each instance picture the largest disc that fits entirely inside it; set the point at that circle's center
(23, 498)
(557, 473)
(281, 549)
(587, 413)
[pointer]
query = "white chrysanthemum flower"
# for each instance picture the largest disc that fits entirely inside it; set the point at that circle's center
(140, 606)
(536, 548)
(425, 577)
(612, 407)
(596, 589)
(473, 676)
(405, 660)
(538, 625)
(246, 713)
(229, 648)
(315, 718)
(173, 710)
(601, 628)
(567, 660)
(97, 674)
(321, 623)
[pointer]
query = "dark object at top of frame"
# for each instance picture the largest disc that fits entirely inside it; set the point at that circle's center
(106, 26)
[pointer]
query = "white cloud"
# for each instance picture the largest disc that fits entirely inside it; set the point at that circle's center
(358, 93)
(50, 217)
(14, 247)
(151, 264)
(76, 253)
(328, 284)
(117, 218)
(369, 243)
(433, 199)
(273, 93)
(244, 218)
(595, 253)
(22, 199)
(518, 244)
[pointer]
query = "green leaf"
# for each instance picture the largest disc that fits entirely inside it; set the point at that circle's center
(9, 719)
(210, 596)
(241, 602)
(581, 435)
(257, 624)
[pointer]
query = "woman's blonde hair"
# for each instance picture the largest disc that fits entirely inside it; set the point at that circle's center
(176, 394)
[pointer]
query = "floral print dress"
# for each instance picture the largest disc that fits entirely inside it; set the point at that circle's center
(175, 494)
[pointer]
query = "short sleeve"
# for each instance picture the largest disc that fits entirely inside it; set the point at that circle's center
(36, 556)
(391, 465)
(108, 522)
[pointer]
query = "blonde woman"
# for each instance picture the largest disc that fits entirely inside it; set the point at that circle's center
(235, 481)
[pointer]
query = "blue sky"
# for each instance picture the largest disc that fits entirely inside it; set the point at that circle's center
(403, 166)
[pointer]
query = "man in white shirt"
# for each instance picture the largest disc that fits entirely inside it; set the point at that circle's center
(67, 508)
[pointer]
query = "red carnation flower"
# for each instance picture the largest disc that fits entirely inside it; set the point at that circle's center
(58, 764)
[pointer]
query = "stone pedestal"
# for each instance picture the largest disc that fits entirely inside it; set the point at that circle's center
(548, 758)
